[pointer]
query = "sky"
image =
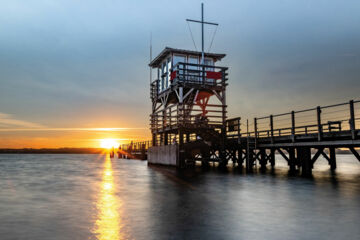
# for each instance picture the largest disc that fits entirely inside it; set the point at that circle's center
(75, 71)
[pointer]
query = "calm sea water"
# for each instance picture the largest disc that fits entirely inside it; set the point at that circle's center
(92, 197)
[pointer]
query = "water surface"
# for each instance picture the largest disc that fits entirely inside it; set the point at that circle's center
(92, 197)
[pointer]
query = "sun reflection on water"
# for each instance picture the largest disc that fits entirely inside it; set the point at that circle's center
(108, 223)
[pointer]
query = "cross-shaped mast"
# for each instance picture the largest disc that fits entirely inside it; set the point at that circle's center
(202, 30)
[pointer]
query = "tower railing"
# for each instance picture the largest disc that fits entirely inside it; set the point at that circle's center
(198, 74)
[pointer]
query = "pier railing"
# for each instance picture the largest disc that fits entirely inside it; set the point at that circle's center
(174, 117)
(318, 120)
(136, 146)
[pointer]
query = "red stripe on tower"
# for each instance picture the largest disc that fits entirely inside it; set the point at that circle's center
(172, 75)
(213, 75)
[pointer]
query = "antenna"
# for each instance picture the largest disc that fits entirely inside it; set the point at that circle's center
(150, 56)
(202, 30)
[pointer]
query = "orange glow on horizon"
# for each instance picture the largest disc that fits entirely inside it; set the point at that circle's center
(70, 139)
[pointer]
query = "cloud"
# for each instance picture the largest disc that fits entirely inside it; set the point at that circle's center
(8, 121)
(10, 124)
(69, 129)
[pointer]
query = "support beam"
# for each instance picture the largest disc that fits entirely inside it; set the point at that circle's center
(317, 155)
(283, 154)
(240, 156)
(166, 139)
(272, 128)
(249, 159)
(292, 159)
(304, 155)
(356, 154)
(181, 95)
(188, 93)
(332, 158)
(325, 156)
(318, 111)
(263, 158)
(293, 126)
(272, 157)
(352, 120)
(181, 159)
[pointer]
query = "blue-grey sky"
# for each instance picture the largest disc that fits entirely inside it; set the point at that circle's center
(83, 64)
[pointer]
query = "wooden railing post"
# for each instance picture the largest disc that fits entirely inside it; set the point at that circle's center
(293, 126)
(272, 128)
(170, 117)
(352, 120)
(318, 110)
(247, 127)
(255, 127)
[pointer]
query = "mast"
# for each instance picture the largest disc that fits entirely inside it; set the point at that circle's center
(202, 30)
(202, 33)
(150, 56)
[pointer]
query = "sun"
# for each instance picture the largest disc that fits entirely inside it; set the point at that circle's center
(109, 143)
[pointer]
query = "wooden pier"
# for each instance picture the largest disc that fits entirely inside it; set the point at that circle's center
(300, 137)
(296, 135)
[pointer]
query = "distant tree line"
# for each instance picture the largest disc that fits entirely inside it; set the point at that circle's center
(52, 151)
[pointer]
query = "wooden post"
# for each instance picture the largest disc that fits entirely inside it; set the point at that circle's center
(240, 156)
(293, 126)
(154, 139)
(255, 128)
(352, 120)
(166, 139)
(318, 110)
(161, 139)
(247, 127)
(272, 128)
(304, 155)
(272, 157)
(332, 158)
(181, 162)
(170, 118)
(143, 155)
(222, 154)
(249, 159)
(263, 159)
(292, 160)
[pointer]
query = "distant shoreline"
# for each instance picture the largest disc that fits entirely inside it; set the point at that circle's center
(53, 151)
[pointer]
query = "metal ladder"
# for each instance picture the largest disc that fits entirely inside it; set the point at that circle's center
(250, 147)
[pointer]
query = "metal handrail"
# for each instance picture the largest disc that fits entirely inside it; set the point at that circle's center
(333, 124)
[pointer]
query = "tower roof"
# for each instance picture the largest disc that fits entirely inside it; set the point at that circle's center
(164, 53)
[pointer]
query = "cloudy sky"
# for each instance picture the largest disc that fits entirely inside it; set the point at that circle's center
(72, 67)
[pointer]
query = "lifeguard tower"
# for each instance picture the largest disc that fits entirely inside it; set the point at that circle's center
(188, 94)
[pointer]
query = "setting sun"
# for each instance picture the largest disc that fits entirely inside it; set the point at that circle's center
(109, 143)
